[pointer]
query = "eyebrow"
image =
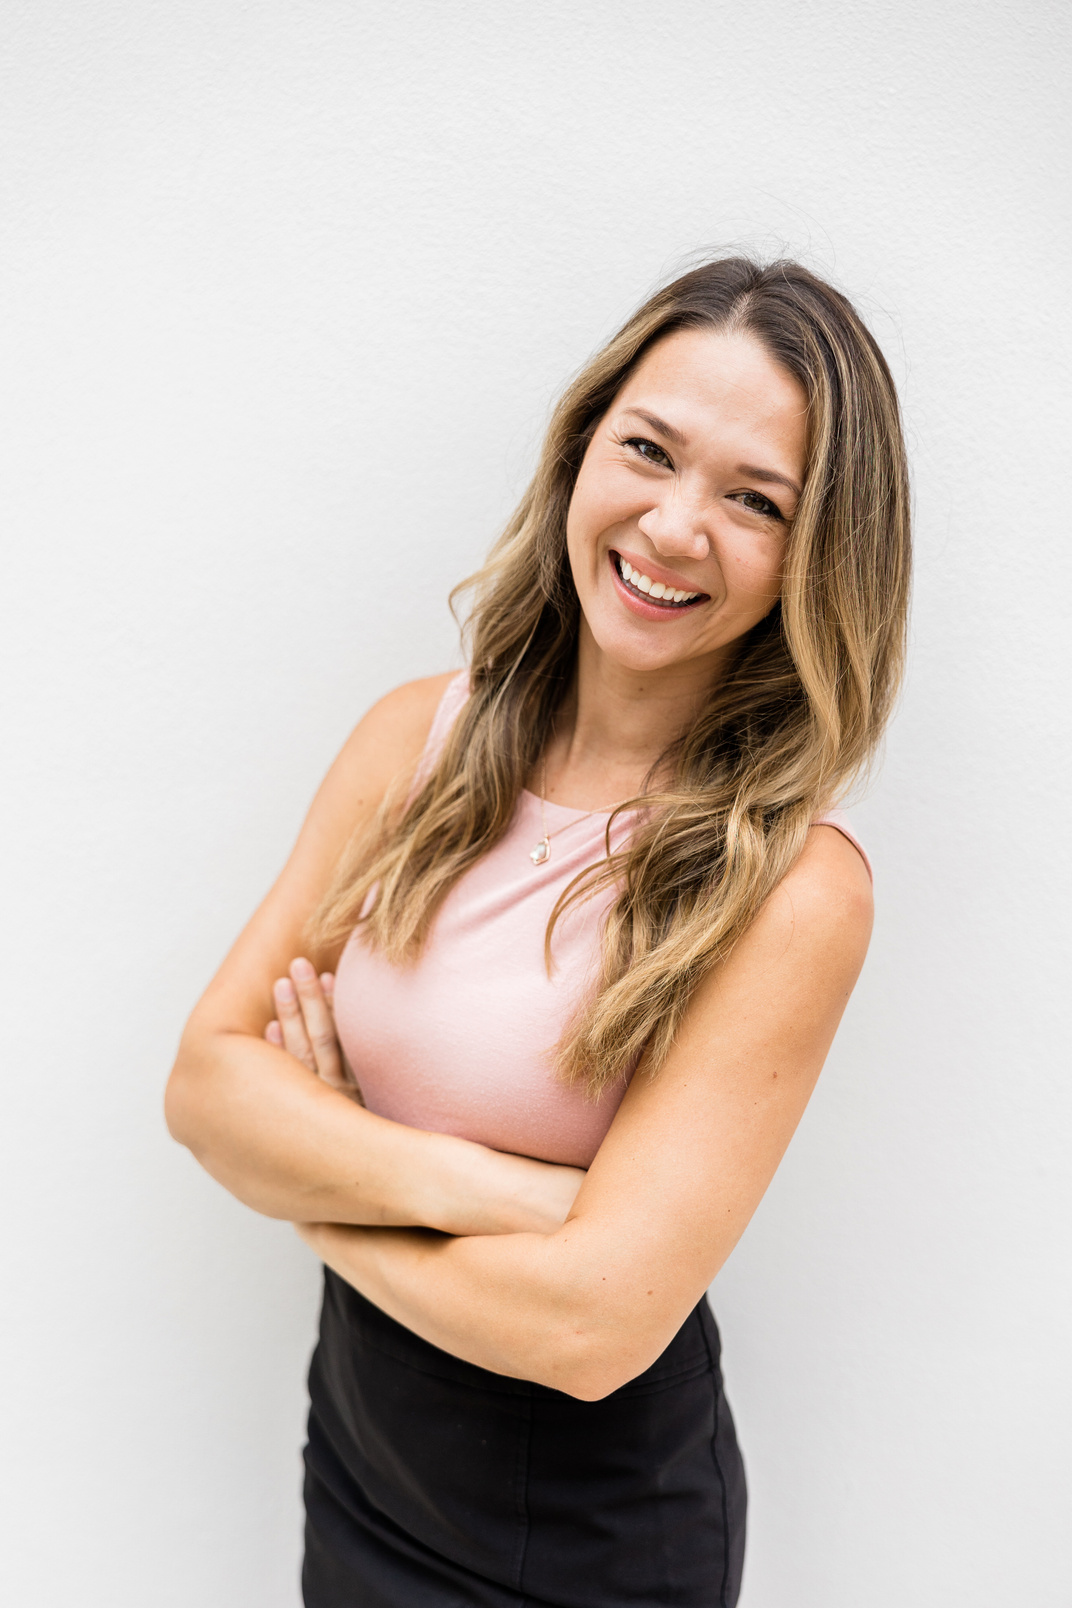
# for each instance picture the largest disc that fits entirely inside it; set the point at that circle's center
(768, 476)
(661, 425)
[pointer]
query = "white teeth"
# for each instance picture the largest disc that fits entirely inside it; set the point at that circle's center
(644, 583)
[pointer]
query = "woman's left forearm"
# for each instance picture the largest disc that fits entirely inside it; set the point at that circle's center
(529, 1306)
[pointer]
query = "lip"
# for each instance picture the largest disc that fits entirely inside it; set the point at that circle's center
(637, 602)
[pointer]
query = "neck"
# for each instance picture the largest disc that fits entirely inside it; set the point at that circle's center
(615, 724)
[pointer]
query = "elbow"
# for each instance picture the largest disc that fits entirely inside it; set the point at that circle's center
(595, 1385)
(184, 1101)
(589, 1330)
(593, 1378)
(592, 1362)
(177, 1107)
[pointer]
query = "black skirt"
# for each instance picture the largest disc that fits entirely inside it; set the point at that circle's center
(431, 1483)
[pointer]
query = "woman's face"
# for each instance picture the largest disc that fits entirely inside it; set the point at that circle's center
(677, 526)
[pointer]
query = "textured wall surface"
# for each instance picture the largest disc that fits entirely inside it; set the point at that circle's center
(287, 291)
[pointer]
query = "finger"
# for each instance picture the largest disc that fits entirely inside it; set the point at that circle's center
(319, 1023)
(327, 984)
(292, 1022)
(274, 1034)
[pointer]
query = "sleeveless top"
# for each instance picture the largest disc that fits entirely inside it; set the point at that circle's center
(461, 1042)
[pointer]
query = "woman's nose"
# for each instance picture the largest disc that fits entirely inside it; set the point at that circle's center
(675, 529)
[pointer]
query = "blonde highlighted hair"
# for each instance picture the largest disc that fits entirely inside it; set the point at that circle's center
(782, 737)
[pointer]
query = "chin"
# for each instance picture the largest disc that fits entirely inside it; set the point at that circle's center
(637, 650)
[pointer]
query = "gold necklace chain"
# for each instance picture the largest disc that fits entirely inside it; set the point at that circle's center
(540, 852)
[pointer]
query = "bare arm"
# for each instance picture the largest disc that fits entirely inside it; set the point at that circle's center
(684, 1166)
(273, 1132)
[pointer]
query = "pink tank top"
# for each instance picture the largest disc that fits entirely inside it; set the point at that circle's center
(462, 1041)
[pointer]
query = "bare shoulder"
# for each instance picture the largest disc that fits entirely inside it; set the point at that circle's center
(390, 736)
(380, 754)
(831, 876)
(410, 708)
(824, 906)
(382, 749)
(402, 717)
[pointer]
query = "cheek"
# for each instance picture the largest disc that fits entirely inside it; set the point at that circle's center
(584, 520)
(587, 519)
(602, 497)
(754, 569)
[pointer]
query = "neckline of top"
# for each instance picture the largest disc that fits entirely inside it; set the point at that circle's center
(575, 809)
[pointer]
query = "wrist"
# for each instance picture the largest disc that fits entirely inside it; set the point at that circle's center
(443, 1194)
(467, 1189)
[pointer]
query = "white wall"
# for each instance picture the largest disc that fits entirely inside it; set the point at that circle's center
(287, 291)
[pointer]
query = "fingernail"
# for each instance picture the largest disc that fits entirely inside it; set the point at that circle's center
(284, 991)
(302, 969)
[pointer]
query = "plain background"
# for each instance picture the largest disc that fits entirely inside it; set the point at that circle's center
(288, 291)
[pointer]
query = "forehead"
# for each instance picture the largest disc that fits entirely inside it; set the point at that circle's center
(699, 379)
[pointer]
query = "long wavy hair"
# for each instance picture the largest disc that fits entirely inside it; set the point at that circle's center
(783, 736)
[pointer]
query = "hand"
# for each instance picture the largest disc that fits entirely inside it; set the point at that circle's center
(471, 1189)
(305, 1026)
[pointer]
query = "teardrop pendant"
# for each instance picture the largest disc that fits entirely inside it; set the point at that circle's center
(541, 852)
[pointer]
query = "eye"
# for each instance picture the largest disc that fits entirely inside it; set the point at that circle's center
(756, 503)
(648, 450)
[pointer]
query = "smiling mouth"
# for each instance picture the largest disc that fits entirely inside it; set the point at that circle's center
(654, 592)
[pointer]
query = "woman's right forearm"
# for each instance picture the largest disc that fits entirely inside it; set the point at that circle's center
(283, 1142)
(289, 1146)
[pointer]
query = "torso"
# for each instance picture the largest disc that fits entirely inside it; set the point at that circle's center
(462, 1042)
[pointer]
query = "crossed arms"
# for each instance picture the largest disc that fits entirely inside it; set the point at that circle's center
(577, 1281)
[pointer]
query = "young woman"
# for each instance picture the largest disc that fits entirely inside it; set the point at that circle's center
(593, 926)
